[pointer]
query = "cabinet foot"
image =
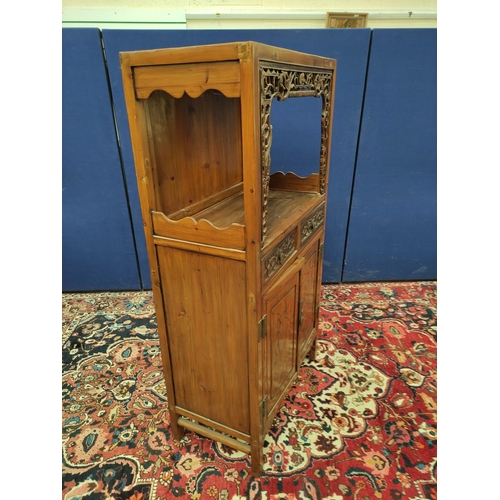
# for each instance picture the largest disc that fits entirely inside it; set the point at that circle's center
(177, 431)
(312, 352)
(256, 469)
(256, 458)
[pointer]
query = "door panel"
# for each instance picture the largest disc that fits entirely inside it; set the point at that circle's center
(281, 340)
(203, 335)
(307, 309)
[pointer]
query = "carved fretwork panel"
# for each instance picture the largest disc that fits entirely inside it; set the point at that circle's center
(277, 258)
(282, 83)
(311, 223)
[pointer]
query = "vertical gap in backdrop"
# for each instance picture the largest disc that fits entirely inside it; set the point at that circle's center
(356, 157)
(117, 135)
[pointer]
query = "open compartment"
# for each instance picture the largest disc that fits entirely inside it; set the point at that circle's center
(196, 148)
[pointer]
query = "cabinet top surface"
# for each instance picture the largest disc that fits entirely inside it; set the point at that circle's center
(245, 50)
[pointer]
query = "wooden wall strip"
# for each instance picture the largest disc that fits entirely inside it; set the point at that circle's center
(223, 76)
(230, 253)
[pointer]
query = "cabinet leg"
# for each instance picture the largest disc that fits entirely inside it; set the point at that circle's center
(177, 430)
(256, 458)
(312, 352)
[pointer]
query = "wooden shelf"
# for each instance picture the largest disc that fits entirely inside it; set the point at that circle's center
(226, 212)
(285, 209)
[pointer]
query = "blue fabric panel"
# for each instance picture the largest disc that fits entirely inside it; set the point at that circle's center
(349, 47)
(97, 242)
(392, 229)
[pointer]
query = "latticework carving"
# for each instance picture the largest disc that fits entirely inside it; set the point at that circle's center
(279, 256)
(282, 84)
(310, 225)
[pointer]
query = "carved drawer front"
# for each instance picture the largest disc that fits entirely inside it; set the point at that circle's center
(279, 256)
(311, 223)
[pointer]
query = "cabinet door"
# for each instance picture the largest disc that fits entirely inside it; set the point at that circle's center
(281, 339)
(308, 300)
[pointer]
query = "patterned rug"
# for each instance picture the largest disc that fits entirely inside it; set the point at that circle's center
(359, 423)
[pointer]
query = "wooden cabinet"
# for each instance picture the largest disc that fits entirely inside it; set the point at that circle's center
(235, 252)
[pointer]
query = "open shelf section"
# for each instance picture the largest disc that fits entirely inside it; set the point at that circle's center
(195, 150)
(223, 214)
(285, 209)
(222, 224)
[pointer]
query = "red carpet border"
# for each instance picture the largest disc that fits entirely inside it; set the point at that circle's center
(360, 422)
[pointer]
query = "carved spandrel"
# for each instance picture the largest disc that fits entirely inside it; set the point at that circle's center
(279, 256)
(284, 83)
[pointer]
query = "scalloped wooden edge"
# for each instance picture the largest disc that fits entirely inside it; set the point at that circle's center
(201, 231)
(143, 94)
(293, 182)
(195, 222)
(280, 173)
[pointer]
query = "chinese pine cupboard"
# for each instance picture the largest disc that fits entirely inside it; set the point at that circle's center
(235, 252)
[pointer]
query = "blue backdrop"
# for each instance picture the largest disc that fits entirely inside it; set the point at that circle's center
(392, 228)
(381, 206)
(98, 245)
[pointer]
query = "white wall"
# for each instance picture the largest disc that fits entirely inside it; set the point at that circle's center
(234, 14)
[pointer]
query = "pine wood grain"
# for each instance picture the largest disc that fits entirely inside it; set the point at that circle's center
(208, 342)
(182, 55)
(208, 202)
(202, 231)
(281, 306)
(196, 146)
(193, 79)
(293, 182)
(308, 300)
(229, 253)
(142, 155)
(251, 204)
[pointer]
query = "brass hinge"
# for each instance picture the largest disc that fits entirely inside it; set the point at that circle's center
(263, 409)
(262, 327)
(321, 248)
(317, 311)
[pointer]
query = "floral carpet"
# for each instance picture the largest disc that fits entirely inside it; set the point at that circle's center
(359, 423)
